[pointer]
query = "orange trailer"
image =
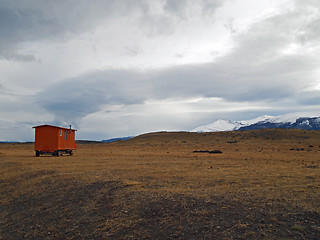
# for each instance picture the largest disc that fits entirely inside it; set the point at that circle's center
(54, 140)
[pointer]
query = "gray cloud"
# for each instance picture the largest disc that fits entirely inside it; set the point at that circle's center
(256, 70)
(176, 7)
(309, 98)
(175, 11)
(184, 8)
(78, 97)
(36, 20)
(12, 55)
(2, 89)
(273, 62)
(5, 91)
(75, 98)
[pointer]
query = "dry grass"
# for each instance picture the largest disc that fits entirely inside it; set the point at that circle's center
(264, 185)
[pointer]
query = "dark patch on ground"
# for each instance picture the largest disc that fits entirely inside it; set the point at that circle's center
(69, 209)
(311, 166)
(297, 149)
(62, 210)
(185, 217)
(207, 151)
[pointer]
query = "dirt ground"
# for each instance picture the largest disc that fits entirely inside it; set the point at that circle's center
(265, 184)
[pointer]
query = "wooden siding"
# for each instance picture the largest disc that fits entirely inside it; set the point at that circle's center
(51, 138)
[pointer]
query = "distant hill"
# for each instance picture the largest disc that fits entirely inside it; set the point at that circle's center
(199, 139)
(86, 141)
(288, 121)
(115, 139)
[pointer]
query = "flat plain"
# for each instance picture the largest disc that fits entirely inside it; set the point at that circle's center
(265, 184)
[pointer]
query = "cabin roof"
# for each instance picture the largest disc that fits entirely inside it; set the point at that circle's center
(47, 125)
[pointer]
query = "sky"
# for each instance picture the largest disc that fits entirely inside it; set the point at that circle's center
(116, 68)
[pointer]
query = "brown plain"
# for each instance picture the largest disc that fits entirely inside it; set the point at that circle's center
(264, 185)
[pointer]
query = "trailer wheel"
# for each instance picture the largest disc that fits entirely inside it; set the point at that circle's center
(56, 153)
(71, 153)
(37, 153)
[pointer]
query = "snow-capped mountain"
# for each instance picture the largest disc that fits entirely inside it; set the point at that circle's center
(219, 125)
(306, 121)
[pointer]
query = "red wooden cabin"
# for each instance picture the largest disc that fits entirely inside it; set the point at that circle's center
(54, 140)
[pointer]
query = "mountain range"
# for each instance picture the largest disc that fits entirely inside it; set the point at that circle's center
(295, 121)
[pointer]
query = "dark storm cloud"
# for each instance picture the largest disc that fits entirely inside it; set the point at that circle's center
(60, 20)
(35, 20)
(75, 98)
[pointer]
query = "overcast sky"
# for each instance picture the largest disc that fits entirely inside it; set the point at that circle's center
(115, 68)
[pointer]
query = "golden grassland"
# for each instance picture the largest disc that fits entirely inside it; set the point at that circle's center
(264, 185)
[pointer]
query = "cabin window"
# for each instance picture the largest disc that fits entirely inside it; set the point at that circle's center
(65, 135)
(60, 132)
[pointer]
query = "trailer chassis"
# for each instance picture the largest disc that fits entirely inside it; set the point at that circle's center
(56, 153)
